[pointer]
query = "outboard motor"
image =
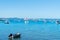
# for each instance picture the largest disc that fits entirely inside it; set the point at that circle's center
(10, 36)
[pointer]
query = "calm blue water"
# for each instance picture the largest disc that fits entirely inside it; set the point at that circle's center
(31, 31)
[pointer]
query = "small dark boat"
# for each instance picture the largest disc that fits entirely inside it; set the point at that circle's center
(6, 22)
(18, 35)
(58, 22)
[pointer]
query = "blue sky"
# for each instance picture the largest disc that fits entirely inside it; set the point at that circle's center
(30, 8)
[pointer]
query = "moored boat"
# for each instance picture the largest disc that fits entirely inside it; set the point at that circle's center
(17, 35)
(58, 22)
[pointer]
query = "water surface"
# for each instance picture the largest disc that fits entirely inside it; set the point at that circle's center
(31, 31)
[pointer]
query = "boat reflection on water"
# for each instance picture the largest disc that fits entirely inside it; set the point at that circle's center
(10, 38)
(13, 39)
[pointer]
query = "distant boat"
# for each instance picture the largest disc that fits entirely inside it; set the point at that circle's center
(6, 22)
(58, 22)
(26, 22)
